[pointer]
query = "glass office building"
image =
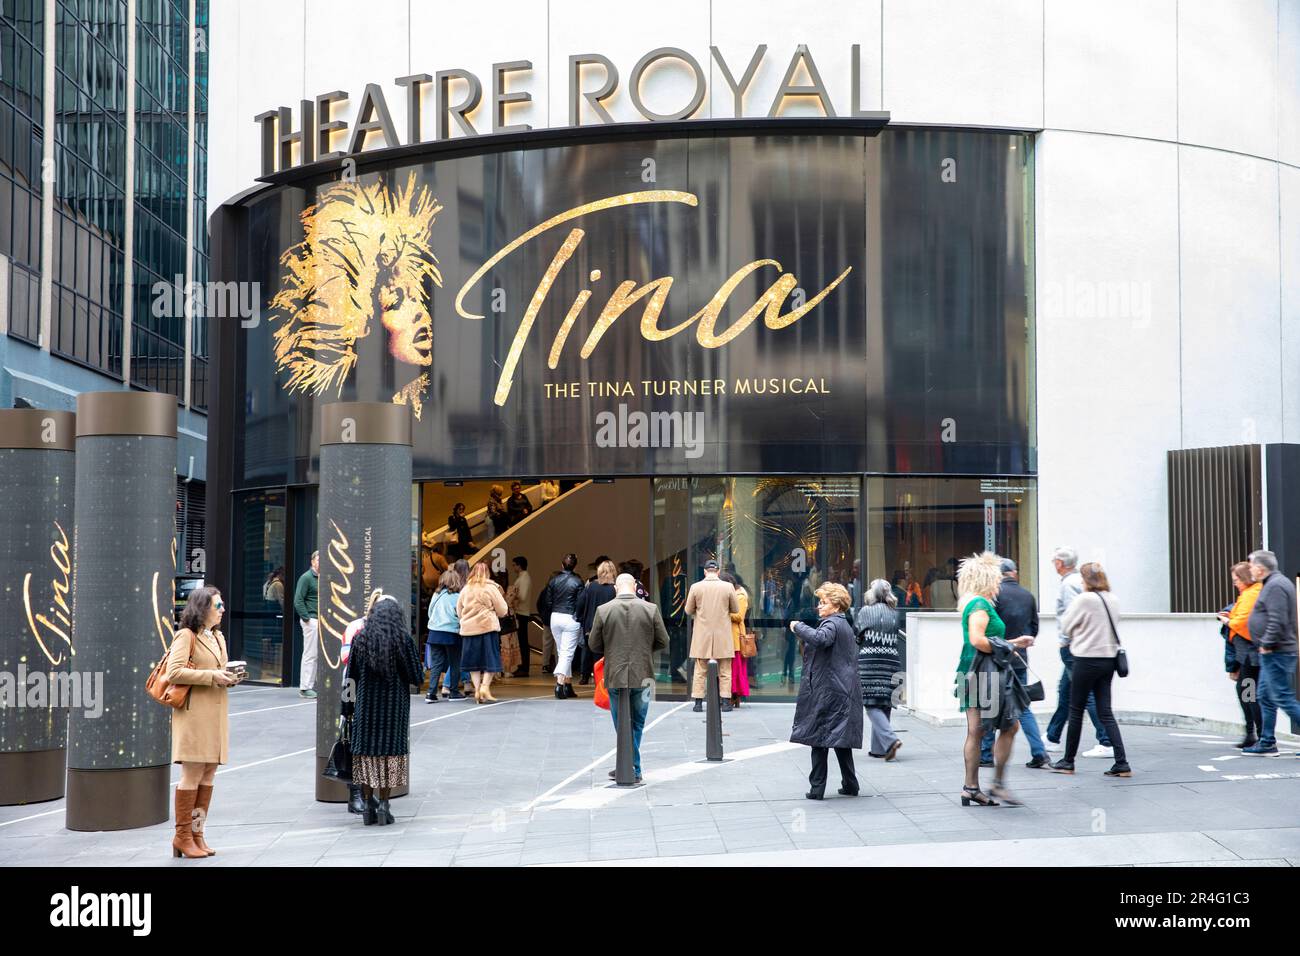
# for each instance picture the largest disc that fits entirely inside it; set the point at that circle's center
(103, 182)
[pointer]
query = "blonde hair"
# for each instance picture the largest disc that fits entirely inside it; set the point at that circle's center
(605, 572)
(479, 575)
(980, 575)
(837, 594)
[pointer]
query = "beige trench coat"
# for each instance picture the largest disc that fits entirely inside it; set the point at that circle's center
(712, 602)
(200, 729)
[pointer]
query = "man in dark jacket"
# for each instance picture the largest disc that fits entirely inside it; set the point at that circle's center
(1019, 612)
(304, 603)
(558, 606)
(628, 631)
(518, 507)
(1272, 625)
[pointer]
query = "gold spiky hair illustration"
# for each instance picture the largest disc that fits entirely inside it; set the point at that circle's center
(357, 240)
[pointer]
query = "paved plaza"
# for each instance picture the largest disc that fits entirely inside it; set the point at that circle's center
(524, 782)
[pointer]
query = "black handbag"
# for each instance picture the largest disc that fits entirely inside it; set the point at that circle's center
(1035, 690)
(509, 624)
(339, 765)
(1121, 659)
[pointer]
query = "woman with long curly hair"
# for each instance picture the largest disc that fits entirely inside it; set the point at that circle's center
(982, 690)
(383, 665)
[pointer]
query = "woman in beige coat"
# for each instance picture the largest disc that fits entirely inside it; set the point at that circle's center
(200, 730)
(479, 606)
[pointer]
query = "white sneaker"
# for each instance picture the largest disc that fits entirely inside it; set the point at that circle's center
(1052, 748)
(1100, 751)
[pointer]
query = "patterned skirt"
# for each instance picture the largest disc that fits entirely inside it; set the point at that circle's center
(511, 659)
(380, 772)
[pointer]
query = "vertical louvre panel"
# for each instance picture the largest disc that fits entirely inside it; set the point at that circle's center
(1215, 520)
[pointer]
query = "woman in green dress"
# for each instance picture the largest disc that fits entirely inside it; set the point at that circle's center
(979, 578)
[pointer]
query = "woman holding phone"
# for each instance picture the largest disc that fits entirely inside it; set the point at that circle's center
(200, 729)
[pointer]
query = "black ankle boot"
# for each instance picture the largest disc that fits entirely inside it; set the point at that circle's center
(699, 706)
(1248, 741)
(369, 811)
(383, 813)
(356, 803)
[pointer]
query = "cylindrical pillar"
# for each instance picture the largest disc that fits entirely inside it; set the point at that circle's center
(119, 761)
(364, 539)
(624, 768)
(713, 716)
(37, 684)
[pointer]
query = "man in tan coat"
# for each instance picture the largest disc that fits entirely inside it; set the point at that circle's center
(711, 603)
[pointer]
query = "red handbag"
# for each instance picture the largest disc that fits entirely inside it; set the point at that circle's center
(601, 697)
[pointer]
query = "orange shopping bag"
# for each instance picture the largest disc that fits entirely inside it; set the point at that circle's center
(602, 694)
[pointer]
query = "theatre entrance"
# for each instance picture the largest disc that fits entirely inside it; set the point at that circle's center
(780, 537)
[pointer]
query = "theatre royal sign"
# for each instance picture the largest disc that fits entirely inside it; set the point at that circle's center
(316, 135)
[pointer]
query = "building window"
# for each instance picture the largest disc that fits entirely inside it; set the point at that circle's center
(22, 77)
(90, 175)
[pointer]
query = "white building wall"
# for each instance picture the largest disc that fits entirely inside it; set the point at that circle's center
(1169, 164)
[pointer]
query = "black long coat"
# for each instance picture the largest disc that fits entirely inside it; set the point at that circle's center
(829, 710)
(381, 723)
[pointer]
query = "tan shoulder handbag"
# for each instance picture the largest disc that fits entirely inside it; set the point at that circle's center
(157, 686)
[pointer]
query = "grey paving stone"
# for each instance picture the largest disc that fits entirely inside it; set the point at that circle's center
(476, 776)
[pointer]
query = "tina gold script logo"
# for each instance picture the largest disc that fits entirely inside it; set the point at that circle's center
(52, 627)
(628, 293)
(335, 612)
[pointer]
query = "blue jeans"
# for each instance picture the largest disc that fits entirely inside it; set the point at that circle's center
(1056, 726)
(443, 659)
(1029, 724)
(640, 708)
(1276, 692)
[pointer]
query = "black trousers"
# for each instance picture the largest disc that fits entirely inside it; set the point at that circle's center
(1248, 697)
(848, 777)
(1092, 675)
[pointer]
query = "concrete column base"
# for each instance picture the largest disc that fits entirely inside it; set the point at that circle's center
(32, 776)
(119, 799)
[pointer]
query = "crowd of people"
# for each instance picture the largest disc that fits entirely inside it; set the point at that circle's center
(850, 678)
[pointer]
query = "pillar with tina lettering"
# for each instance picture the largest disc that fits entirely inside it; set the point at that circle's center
(124, 555)
(364, 539)
(36, 650)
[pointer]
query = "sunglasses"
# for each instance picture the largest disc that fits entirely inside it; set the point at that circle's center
(219, 605)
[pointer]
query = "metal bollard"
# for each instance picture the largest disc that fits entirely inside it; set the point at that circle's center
(624, 770)
(713, 719)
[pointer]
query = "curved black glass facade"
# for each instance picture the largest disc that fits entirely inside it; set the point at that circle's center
(689, 307)
(916, 359)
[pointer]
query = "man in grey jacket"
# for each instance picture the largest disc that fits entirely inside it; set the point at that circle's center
(628, 631)
(1272, 625)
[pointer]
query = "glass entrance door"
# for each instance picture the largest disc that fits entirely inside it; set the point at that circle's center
(262, 589)
(779, 537)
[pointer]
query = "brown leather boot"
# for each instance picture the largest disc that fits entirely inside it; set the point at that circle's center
(183, 841)
(202, 801)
